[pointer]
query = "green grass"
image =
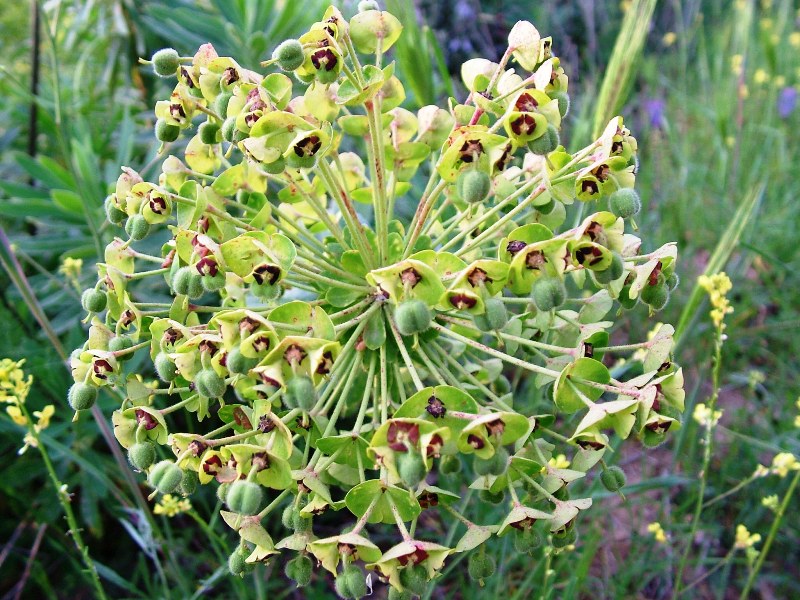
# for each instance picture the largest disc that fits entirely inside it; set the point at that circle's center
(717, 175)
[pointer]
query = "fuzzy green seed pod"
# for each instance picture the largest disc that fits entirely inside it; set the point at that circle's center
(142, 455)
(495, 316)
(473, 185)
(245, 497)
(209, 133)
(137, 228)
(625, 300)
(613, 478)
(165, 476)
(300, 522)
(189, 483)
(351, 583)
(180, 281)
(563, 102)
(114, 215)
(481, 566)
(656, 296)
(229, 129)
(120, 343)
(221, 104)
(82, 396)
(492, 498)
(166, 62)
(287, 516)
(496, 465)
(300, 393)
(673, 281)
(613, 272)
(209, 384)
(299, 570)
(562, 540)
(625, 202)
(395, 594)
(213, 283)
(222, 491)
(412, 316)
(366, 5)
(414, 578)
(546, 143)
(450, 465)
(165, 368)
(548, 293)
(527, 540)
(562, 493)
(194, 288)
(237, 564)
(166, 132)
(411, 468)
(239, 363)
(94, 300)
(289, 55)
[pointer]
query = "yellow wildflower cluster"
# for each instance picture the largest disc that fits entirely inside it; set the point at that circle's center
(783, 462)
(658, 532)
(797, 417)
(717, 287)
(14, 389)
(71, 268)
(770, 502)
(171, 505)
(559, 462)
(745, 539)
(705, 416)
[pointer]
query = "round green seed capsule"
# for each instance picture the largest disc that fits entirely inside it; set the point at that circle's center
(300, 393)
(496, 465)
(137, 227)
(411, 468)
(82, 396)
(180, 281)
(562, 540)
(527, 540)
(480, 566)
(656, 296)
(209, 133)
(613, 272)
(94, 300)
(237, 564)
(221, 104)
(142, 455)
(366, 5)
(239, 363)
(166, 62)
(613, 478)
(166, 132)
(563, 101)
(209, 384)
(414, 578)
(165, 368)
(189, 483)
(450, 465)
(473, 185)
(395, 594)
(245, 497)
(494, 317)
(412, 316)
(625, 202)
(492, 498)
(548, 293)
(120, 343)
(289, 55)
(222, 491)
(546, 143)
(229, 129)
(673, 281)
(165, 477)
(213, 283)
(299, 570)
(114, 215)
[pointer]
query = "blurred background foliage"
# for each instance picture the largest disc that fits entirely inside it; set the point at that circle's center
(713, 102)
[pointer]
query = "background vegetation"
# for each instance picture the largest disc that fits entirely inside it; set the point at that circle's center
(713, 102)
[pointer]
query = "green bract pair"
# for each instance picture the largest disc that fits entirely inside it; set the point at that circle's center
(338, 357)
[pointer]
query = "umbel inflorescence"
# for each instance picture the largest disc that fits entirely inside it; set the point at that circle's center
(340, 357)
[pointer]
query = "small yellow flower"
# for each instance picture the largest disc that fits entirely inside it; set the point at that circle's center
(760, 76)
(171, 506)
(794, 39)
(16, 415)
(717, 287)
(71, 267)
(744, 539)
(770, 502)
(779, 81)
(669, 38)
(797, 421)
(766, 24)
(559, 462)
(705, 416)
(658, 532)
(783, 463)
(737, 62)
(761, 471)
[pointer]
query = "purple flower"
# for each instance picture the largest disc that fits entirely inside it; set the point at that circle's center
(787, 101)
(655, 112)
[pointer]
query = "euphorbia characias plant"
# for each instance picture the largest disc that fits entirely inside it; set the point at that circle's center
(339, 357)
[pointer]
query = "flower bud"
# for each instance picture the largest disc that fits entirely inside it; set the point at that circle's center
(299, 570)
(137, 227)
(165, 476)
(94, 300)
(120, 343)
(165, 368)
(613, 272)
(237, 564)
(563, 101)
(189, 483)
(244, 497)
(366, 5)
(625, 202)
(480, 566)
(473, 185)
(166, 132)
(239, 363)
(546, 143)
(300, 393)
(414, 578)
(527, 540)
(412, 316)
(656, 296)
(289, 55)
(495, 317)
(142, 455)
(209, 133)
(114, 215)
(548, 293)
(166, 62)
(613, 479)
(411, 468)
(209, 384)
(82, 396)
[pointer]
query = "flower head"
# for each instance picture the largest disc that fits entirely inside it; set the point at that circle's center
(705, 416)
(717, 287)
(745, 539)
(658, 532)
(171, 505)
(783, 463)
